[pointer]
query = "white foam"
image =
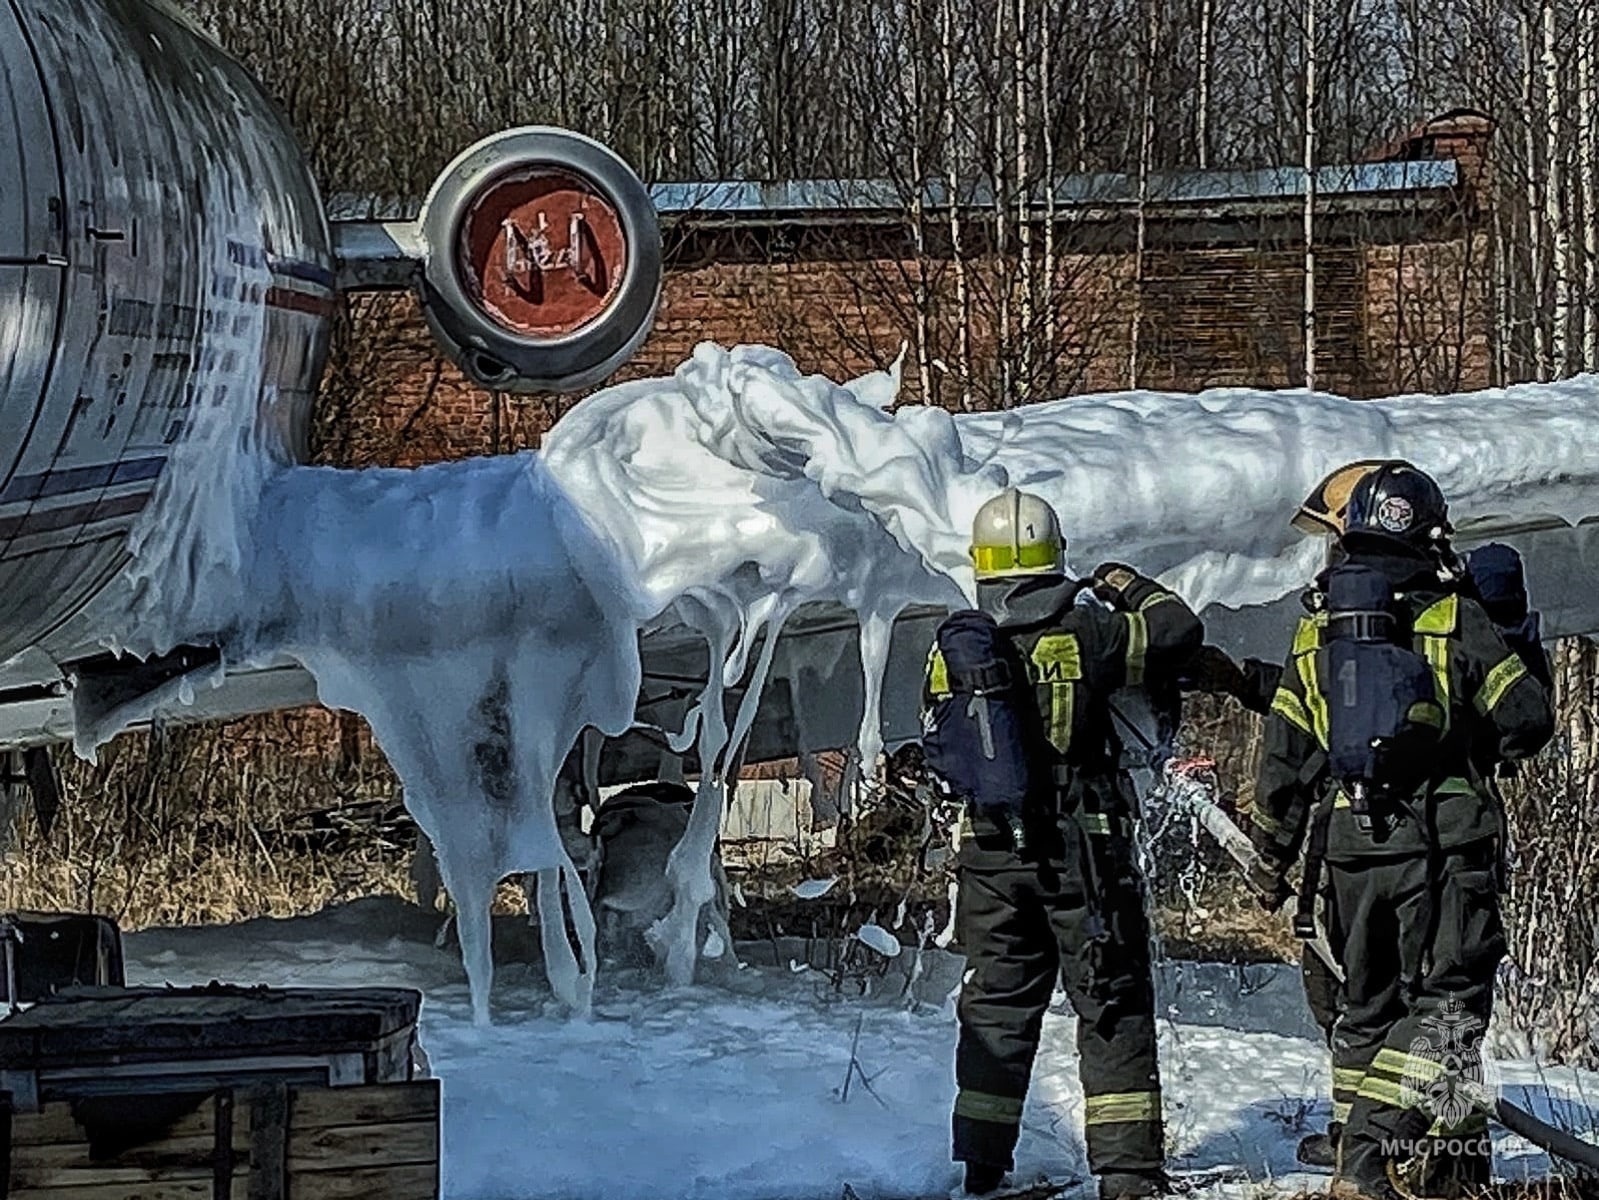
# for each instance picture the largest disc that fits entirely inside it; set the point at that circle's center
(481, 614)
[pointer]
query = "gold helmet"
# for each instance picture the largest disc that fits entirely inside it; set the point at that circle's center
(1017, 533)
(1322, 512)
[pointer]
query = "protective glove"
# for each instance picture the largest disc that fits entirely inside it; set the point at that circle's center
(1111, 580)
(1267, 879)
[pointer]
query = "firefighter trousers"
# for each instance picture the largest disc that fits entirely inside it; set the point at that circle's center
(1023, 924)
(1324, 994)
(1420, 939)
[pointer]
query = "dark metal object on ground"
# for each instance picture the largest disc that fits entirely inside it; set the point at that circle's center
(48, 952)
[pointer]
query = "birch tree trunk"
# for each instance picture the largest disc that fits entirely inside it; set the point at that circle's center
(963, 294)
(922, 300)
(1500, 365)
(1207, 16)
(1310, 195)
(1588, 213)
(1535, 208)
(1003, 278)
(1046, 90)
(1145, 152)
(1554, 196)
(1024, 225)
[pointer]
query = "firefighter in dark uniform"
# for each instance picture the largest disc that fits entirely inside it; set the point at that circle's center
(1057, 894)
(1253, 683)
(1493, 576)
(1412, 882)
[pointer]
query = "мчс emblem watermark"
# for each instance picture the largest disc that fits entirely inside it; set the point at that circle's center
(1445, 1075)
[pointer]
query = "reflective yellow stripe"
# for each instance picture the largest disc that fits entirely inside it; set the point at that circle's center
(1347, 1079)
(937, 673)
(1340, 799)
(1383, 1091)
(1434, 625)
(1058, 661)
(1137, 647)
(1314, 700)
(985, 1106)
(1389, 1062)
(1399, 1065)
(1437, 651)
(1425, 712)
(1307, 636)
(1264, 821)
(1341, 1111)
(1038, 557)
(1455, 786)
(1473, 1123)
(1121, 1106)
(1440, 618)
(1057, 657)
(1500, 680)
(1095, 822)
(1062, 700)
(1154, 599)
(1292, 709)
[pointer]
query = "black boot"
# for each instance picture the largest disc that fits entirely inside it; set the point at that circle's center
(1362, 1172)
(1133, 1185)
(1320, 1149)
(983, 1178)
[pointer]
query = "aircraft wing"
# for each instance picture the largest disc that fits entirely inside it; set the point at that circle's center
(814, 696)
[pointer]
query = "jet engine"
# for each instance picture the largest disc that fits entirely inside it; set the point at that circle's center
(537, 256)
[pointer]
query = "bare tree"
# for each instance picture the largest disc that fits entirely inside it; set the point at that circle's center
(1310, 194)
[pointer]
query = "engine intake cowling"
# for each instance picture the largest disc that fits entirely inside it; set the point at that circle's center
(542, 260)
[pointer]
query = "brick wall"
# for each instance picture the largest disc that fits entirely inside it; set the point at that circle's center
(1391, 318)
(1428, 315)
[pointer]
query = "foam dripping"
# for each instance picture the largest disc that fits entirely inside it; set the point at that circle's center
(481, 615)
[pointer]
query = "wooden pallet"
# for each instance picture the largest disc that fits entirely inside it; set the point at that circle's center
(263, 1142)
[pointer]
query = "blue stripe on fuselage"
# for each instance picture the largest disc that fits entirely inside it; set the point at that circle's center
(296, 268)
(79, 479)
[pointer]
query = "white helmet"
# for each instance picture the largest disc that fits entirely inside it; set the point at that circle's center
(1017, 533)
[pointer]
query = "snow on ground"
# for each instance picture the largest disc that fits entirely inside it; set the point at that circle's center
(704, 1092)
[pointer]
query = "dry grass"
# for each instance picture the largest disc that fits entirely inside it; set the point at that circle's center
(204, 825)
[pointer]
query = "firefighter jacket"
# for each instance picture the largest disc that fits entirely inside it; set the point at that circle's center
(1496, 711)
(1078, 651)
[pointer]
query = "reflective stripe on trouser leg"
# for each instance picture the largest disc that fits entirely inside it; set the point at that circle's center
(985, 1106)
(986, 1126)
(1374, 903)
(1435, 925)
(1012, 963)
(1123, 1130)
(1111, 988)
(1117, 1108)
(1346, 1085)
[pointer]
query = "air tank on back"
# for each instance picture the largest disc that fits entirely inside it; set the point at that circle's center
(164, 252)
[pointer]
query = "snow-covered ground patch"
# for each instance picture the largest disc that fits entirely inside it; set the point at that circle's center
(739, 1094)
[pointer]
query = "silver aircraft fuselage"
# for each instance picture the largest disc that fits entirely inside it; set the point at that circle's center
(164, 254)
(137, 156)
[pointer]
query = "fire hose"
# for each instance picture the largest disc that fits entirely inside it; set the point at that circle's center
(1187, 793)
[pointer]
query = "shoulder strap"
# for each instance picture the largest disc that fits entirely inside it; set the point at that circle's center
(1315, 856)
